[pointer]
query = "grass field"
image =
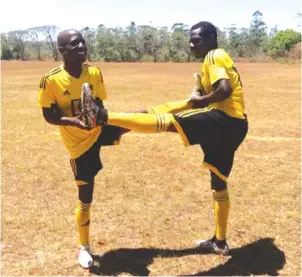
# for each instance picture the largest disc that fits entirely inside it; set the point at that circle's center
(153, 198)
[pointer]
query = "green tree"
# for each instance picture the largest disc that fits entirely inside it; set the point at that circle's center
(50, 34)
(180, 43)
(19, 39)
(6, 50)
(222, 38)
(242, 46)
(132, 41)
(90, 36)
(101, 42)
(233, 40)
(34, 34)
(107, 44)
(283, 42)
(257, 34)
(150, 41)
(164, 38)
(120, 43)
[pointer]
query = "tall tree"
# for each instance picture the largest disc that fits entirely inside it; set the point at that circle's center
(257, 33)
(50, 33)
(120, 43)
(132, 53)
(102, 43)
(34, 34)
(233, 39)
(237, 40)
(222, 38)
(147, 41)
(180, 42)
(164, 39)
(106, 44)
(19, 40)
(90, 37)
(6, 51)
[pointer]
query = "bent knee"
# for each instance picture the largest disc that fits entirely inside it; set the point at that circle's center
(217, 183)
(86, 193)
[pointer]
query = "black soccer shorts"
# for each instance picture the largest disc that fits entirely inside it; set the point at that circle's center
(86, 167)
(218, 134)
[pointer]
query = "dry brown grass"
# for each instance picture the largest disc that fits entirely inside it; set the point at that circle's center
(152, 200)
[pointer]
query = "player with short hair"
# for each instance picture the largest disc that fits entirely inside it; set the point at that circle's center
(60, 99)
(215, 120)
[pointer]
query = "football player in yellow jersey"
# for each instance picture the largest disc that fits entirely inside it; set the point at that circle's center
(60, 98)
(215, 120)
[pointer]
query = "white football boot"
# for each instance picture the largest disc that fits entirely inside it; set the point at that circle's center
(85, 259)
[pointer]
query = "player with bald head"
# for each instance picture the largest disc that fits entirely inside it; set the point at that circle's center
(72, 45)
(60, 100)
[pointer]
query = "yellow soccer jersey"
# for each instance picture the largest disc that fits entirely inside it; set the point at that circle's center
(219, 65)
(59, 87)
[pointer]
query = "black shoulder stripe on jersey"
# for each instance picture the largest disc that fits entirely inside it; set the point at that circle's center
(212, 56)
(101, 75)
(207, 58)
(43, 83)
(52, 72)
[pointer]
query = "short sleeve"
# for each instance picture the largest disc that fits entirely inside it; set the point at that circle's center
(218, 64)
(101, 89)
(46, 96)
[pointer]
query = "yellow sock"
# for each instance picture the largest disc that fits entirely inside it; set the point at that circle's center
(141, 123)
(82, 213)
(221, 210)
(171, 107)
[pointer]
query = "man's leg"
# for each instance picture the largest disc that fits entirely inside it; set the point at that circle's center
(82, 214)
(221, 206)
(154, 120)
(85, 168)
(219, 162)
(142, 123)
(171, 107)
(221, 199)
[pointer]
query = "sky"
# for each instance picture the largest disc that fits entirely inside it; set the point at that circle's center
(77, 14)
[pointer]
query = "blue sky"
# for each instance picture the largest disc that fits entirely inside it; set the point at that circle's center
(22, 14)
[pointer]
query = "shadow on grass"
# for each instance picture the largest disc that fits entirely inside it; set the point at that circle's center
(260, 257)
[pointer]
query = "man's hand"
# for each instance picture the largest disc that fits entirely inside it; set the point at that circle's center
(198, 88)
(198, 102)
(53, 115)
(75, 122)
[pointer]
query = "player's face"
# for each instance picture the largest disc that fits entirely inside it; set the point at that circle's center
(75, 48)
(198, 44)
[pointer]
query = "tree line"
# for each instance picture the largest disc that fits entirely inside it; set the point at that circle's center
(145, 43)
